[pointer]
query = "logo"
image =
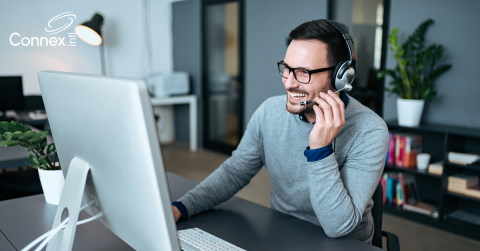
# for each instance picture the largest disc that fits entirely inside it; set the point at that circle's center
(54, 26)
(60, 29)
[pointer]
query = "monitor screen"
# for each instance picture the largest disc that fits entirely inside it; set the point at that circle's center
(11, 93)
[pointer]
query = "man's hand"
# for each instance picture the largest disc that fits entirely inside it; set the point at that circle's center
(330, 118)
(176, 213)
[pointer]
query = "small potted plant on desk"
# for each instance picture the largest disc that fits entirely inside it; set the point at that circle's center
(414, 75)
(44, 156)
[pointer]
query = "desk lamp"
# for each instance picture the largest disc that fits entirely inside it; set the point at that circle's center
(90, 32)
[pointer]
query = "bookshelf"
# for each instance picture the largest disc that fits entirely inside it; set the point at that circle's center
(438, 140)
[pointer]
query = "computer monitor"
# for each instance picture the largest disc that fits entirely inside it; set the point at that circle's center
(11, 93)
(105, 135)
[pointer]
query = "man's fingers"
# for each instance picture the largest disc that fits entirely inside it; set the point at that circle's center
(327, 110)
(320, 119)
(340, 104)
(336, 113)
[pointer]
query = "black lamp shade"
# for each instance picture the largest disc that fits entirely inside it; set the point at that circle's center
(90, 31)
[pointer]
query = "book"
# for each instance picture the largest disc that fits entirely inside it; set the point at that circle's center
(407, 188)
(436, 168)
(399, 149)
(464, 218)
(463, 158)
(391, 150)
(389, 189)
(473, 191)
(399, 191)
(463, 179)
(383, 181)
(413, 146)
(422, 208)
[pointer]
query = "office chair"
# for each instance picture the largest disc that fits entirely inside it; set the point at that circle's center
(393, 243)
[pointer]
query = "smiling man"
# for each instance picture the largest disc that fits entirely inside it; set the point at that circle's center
(324, 159)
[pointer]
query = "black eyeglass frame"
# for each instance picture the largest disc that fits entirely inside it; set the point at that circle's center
(310, 72)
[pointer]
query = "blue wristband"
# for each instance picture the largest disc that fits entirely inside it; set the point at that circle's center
(318, 154)
(183, 210)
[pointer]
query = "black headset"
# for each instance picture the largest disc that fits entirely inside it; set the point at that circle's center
(344, 72)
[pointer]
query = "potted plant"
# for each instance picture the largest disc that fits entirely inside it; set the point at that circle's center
(412, 79)
(44, 156)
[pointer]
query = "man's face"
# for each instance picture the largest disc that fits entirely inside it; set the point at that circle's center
(309, 55)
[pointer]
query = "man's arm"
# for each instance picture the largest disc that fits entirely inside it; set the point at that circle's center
(234, 174)
(339, 198)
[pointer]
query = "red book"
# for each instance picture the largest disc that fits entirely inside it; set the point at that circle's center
(391, 150)
(398, 139)
(383, 181)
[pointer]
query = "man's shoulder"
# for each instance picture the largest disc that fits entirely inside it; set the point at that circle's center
(274, 105)
(276, 100)
(363, 118)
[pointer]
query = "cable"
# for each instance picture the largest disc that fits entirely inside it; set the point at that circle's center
(63, 224)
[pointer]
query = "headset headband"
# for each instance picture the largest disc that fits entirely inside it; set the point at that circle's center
(348, 39)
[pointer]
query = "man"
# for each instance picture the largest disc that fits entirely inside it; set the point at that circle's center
(324, 159)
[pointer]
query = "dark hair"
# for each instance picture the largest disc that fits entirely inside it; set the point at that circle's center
(317, 29)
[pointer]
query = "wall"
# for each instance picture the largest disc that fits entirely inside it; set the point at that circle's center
(268, 24)
(187, 50)
(458, 89)
(123, 33)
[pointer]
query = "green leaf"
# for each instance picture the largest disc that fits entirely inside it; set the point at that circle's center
(50, 148)
(30, 148)
(38, 137)
(43, 159)
(28, 135)
(33, 160)
(35, 167)
(4, 143)
(17, 135)
(12, 143)
(43, 144)
(17, 126)
(3, 128)
(9, 126)
(23, 144)
(27, 129)
(7, 136)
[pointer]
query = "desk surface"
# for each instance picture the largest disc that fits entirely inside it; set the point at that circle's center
(240, 222)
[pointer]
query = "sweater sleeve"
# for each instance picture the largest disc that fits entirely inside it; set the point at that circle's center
(339, 198)
(234, 174)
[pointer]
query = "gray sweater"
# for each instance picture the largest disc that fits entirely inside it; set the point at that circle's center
(334, 193)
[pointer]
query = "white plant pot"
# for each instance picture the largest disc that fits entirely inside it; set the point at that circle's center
(52, 185)
(409, 111)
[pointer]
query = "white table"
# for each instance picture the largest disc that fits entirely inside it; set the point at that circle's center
(187, 99)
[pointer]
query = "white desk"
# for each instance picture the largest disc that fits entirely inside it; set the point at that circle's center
(187, 99)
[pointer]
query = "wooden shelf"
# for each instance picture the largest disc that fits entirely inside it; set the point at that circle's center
(408, 214)
(474, 167)
(412, 171)
(461, 196)
(436, 128)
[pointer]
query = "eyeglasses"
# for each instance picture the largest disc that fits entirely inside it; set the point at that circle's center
(301, 75)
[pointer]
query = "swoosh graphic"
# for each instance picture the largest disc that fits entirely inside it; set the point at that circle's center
(68, 15)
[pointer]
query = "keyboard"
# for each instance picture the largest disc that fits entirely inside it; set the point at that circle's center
(195, 239)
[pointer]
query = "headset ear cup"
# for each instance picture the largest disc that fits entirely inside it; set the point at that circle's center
(334, 75)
